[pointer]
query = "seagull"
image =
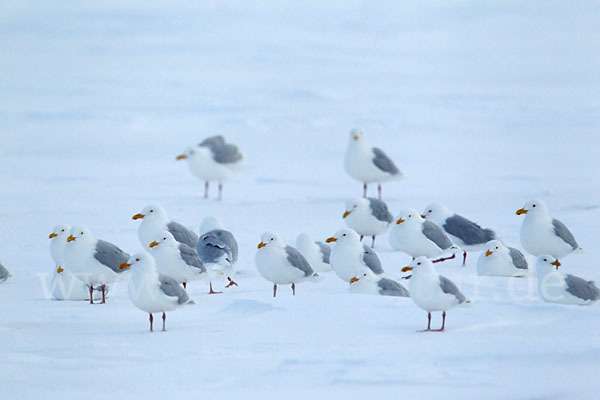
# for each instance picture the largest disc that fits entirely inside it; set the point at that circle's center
(94, 261)
(58, 241)
(432, 291)
(368, 217)
(369, 283)
(151, 292)
(316, 253)
(155, 220)
(464, 232)
(281, 264)
(176, 260)
(555, 287)
(213, 160)
(541, 234)
(349, 255)
(415, 236)
(368, 164)
(218, 249)
(501, 260)
(4, 273)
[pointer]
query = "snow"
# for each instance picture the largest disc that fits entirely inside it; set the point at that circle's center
(484, 105)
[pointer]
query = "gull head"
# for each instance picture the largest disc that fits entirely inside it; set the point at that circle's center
(151, 212)
(546, 264)
(494, 246)
(357, 136)
(163, 238)
(270, 239)
(354, 204)
(60, 231)
(436, 213)
(345, 236)
(210, 223)
(408, 216)
(533, 207)
(140, 262)
(80, 234)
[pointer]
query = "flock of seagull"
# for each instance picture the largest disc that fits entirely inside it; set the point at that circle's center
(86, 267)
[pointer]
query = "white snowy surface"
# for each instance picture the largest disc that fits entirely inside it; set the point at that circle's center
(484, 105)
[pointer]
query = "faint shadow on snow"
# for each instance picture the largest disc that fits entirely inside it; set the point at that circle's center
(247, 308)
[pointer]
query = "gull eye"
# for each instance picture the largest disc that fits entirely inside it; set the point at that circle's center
(62, 230)
(137, 259)
(430, 211)
(418, 263)
(82, 233)
(496, 247)
(344, 234)
(534, 205)
(164, 238)
(545, 259)
(151, 210)
(409, 216)
(364, 274)
(272, 239)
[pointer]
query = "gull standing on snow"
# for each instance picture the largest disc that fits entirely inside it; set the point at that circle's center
(432, 291)
(281, 264)
(155, 220)
(418, 237)
(368, 164)
(213, 160)
(218, 249)
(63, 284)
(176, 260)
(349, 256)
(369, 283)
(316, 253)
(464, 232)
(568, 289)
(542, 234)
(94, 261)
(368, 217)
(4, 273)
(151, 292)
(501, 260)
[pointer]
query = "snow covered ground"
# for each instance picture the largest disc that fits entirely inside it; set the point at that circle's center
(484, 105)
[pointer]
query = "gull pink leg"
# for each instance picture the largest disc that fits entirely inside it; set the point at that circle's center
(151, 320)
(373, 242)
(379, 190)
(275, 290)
(294, 289)
(206, 189)
(212, 291)
(103, 295)
(91, 294)
(164, 322)
(220, 191)
(365, 189)
(464, 258)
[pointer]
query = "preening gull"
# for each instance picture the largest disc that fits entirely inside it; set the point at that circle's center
(281, 264)
(176, 260)
(4, 273)
(316, 253)
(367, 216)
(213, 160)
(418, 237)
(464, 232)
(151, 292)
(542, 234)
(155, 220)
(368, 164)
(555, 287)
(369, 283)
(501, 260)
(432, 291)
(218, 249)
(349, 256)
(94, 261)
(63, 284)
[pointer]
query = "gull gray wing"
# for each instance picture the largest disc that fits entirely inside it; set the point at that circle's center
(564, 233)
(222, 152)
(212, 141)
(518, 258)
(380, 210)
(581, 288)
(182, 234)
(370, 259)
(325, 251)
(170, 287)
(468, 231)
(191, 257)
(436, 235)
(449, 287)
(110, 255)
(383, 162)
(4, 274)
(298, 261)
(388, 287)
(217, 243)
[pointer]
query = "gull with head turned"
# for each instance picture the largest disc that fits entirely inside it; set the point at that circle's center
(218, 249)
(368, 283)
(316, 253)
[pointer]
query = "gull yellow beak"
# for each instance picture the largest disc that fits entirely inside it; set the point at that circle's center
(124, 265)
(52, 235)
(138, 216)
(153, 244)
(356, 137)
(261, 245)
(331, 239)
(353, 279)
(556, 263)
(70, 238)
(406, 269)
(59, 270)
(181, 157)
(521, 211)
(399, 221)
(346, 213)
(488, 253)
